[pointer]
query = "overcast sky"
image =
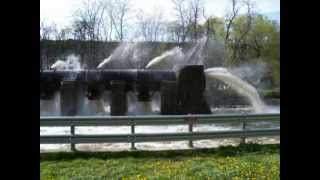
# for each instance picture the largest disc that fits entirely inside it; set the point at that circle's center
(60, 11)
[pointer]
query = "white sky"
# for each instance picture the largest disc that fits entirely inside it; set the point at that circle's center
(60, 11)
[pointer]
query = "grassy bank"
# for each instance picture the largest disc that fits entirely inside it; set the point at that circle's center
(251, 161)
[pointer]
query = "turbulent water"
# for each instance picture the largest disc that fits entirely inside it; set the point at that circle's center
(159, 129)
(51, 107)
(84, 105)
(238, 85)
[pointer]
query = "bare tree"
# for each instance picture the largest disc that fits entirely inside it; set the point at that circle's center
(181, 9)
(231, 17)
(79, 30)
(41, 29)
(88, 20)
(65, 33)
(87, 25)
(242, 45)
(118, 12)
(240, 30)
(173, 31)
(189, 13)
(46, 31)
(55, 32)
(249, 15)
(195, 9)
(208, 23)
(150, 26)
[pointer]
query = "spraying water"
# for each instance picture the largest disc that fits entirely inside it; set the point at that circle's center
(72, 63)
(126, 55)
(252, 73)
(171, 59)
(195, 55)
(175, 57)
(237, 84)
(167, 59)
(105, 62)
(84, 105)
(129, 55)
(59, 65)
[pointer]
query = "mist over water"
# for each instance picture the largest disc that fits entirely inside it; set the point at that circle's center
(71, 63)
(237, 84)
(250, 72)
(174, 57)
(51, 107)
(136, 107)
(195, 55)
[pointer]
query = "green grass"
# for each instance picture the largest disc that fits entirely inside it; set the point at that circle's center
(251, 161)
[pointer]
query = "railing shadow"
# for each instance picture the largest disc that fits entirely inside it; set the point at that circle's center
(167, 154)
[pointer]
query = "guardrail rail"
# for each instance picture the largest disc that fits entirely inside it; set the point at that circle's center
(133, 121)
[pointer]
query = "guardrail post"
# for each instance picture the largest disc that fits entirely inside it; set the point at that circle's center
(72, 130)
(133, 135)
(190, 128)
(244, 126)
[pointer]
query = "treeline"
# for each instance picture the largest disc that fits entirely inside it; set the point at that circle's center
(91, 53)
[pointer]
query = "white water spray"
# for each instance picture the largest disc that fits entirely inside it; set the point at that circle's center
(105, 62)
(59, 65)
(238, 85)
(167, 59)
(195, 54)
(126, 55)
(72, 63)
(175, 57)
(85, 106)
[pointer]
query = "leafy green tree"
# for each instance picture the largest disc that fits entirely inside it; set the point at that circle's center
(259, 41)
(214, 27)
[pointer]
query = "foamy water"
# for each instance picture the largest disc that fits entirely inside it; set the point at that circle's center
(167, 145)
(51, 107)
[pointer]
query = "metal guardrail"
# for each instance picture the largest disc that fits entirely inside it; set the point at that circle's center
(133, 121)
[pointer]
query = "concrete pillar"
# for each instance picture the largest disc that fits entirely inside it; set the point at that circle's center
(191, 87)
(68, 98)
(119, 104)
(169, 98)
